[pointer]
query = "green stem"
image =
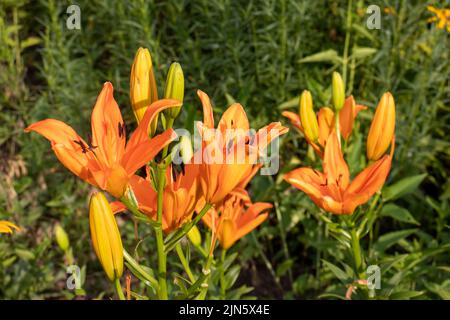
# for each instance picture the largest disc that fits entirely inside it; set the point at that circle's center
(169, 124)
(137, 267)
(119, 289)
(223, 285)
(356, 250)
(162, 258)
(184, 262)
(283, 239)
(347, 41)
(266, 261)
(207, 273)
(136, 212)
(173, 240)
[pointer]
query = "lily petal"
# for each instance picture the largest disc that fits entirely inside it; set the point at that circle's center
(334, 166)
(208, 118)
(108, 130)
(325, 118)
(68, 146)
(141, 133)
(309, 181)
(137, 156)
(234, 118)
(368, 182)
(294, 118)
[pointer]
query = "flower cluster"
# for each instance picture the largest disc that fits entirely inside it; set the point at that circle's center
(209, 184)
(169, 195)
(332, 189)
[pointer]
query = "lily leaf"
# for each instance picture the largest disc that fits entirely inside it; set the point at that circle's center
(389, 239)
(398, 213)
(402, 187)
(324, 56)
(338, 272)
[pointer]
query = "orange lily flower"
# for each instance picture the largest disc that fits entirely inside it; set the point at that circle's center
(325, 119)
(179, 200)
(8, 227)
(105, 162)
(332, 189)
(229, 152)
(238, 217)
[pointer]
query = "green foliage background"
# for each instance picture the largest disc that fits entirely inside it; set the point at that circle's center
(248, 51)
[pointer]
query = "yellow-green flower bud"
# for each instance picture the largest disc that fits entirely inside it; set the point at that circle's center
(174, 88)
(338, 91)
(195, 236)
(61, 237)
(105, 236)
(308, 117)
(186, 149)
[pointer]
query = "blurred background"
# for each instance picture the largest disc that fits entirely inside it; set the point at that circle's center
(263, 54)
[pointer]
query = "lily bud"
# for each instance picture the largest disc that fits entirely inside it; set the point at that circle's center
(143, 90)
(227, 234)
(61, 237)
(338, 91)
(174, 88)
(105, 236)
(308, 118)
(186, 149)
(382, 128)
(195, 236)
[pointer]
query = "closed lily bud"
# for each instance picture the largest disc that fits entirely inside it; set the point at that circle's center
(105, 236)
(227, 234)
(308, 117)
(143, 90)
(382, 128)
(195, 236)
(338, 91)
(186, 149)
(174, 88)
(61, 237)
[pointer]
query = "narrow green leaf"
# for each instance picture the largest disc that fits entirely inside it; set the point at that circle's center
(389, 239)
(405, 295)
(363, 52)
(338, 272)
(232, 275)
(402, 187)
(289, 104)
(398, 213)
(324, 56)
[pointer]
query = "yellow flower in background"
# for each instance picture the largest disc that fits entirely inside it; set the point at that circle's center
(7, 227)
(390, 10)
(442, 17)
(105, 236)
(143, 90)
